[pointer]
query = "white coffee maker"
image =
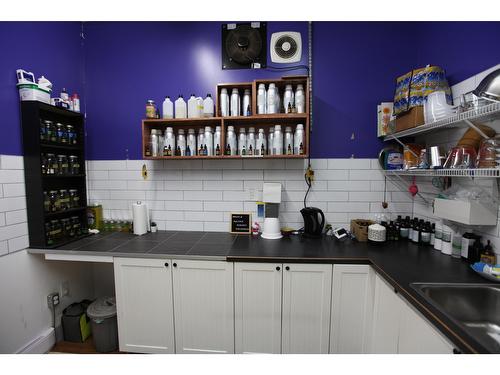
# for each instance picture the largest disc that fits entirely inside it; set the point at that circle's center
(271, 196)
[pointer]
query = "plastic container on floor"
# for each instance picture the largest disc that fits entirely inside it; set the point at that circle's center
(102, 313)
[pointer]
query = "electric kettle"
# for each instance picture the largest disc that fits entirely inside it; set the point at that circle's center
(313, 226)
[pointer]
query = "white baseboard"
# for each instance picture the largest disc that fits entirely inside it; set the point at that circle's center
(42, 344)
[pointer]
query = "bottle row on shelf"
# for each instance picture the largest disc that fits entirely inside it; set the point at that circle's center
(62, 165)
(58, 133)
(60, 200)
(209, 143)
(447, 240)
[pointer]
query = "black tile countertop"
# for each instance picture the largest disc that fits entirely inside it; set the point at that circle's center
(399, 263)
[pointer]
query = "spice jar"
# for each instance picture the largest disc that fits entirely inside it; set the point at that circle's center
(74, 165)
(46, 202)
(64, 199)
(52, 166)
(55, 230)
(74, 198)
(150, 109)
(44, 163)
(75, 222)
(70, 130)
(55, 202)
(62, 161)
(49, 240)
(66, 227)
(62, 135)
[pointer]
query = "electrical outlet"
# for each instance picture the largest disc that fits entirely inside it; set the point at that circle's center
(52, 300)
(64, 288)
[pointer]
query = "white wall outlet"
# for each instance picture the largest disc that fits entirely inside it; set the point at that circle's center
(64, 288)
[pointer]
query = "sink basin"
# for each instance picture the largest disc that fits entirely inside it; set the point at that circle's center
(476, 307)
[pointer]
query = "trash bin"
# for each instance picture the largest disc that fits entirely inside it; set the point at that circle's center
(102, 313)
(75, 323)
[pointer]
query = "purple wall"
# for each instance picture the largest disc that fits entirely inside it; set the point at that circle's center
(130, 62)
(126, 63)
(52, 49)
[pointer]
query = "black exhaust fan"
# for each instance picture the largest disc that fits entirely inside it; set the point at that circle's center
(244, 45)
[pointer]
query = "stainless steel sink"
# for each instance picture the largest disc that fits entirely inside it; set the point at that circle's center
(474, 306)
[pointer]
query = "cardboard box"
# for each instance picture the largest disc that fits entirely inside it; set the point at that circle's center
(359, 228)
(410, 119)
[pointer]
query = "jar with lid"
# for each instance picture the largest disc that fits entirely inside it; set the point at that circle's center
(298, 144)
(62, 162)
(43, 131)
(70, 130)
(74, 165)
(231, 146)
(150, 109)
(251, 141)
(155, 142)
(209, 141)
(181, 142)
(46, 202)
(64, 198)
(55, 202)
(44, 164)
(62, 135)
(270, 141)
(260, 143)
(52, 166)
(169, 142)
(74, 198)
(50, 131)
(242, 142)
(217, 141)
(56, 230)
(66, 227)
(77, 227)
(191, 143)
(49, 239)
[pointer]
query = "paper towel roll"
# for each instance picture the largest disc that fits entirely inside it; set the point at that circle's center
(141, 218)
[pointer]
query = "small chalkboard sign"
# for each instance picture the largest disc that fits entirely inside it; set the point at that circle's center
(241, 223)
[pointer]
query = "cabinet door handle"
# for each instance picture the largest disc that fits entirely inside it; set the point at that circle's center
(166, 264)
(175, 264)
(278, 268)
(287, 268)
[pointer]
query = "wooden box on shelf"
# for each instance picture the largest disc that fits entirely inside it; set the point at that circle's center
(32, 115)
(257, 121)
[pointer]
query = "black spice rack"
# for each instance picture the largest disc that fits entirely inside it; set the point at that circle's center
(32, 116)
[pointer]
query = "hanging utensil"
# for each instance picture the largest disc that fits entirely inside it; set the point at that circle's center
(413, 188)
(384, 203)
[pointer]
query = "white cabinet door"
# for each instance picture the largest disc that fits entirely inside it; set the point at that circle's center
(352, 308)
(257, 299)
(418, 336)
(306, 308)
(203, 306)
(144, 305)
(386, 317)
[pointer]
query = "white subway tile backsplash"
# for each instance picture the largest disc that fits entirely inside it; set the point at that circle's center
(129, 195)
(11, 162)
(348, 185)
(4, 248)
(136, 165)
(12, 231)
(12, 204)
(14, 190)
(331, 174)
(348, 207)
(349, 164)
(2, 219)
(284, 175)
(145, 185)
(223, 164)
(107, 165)
(229, 195)
(204, 175)
(107, 184)
(205, 216)
(318, 164)
(222, 206)
(365, 196)
(295, 164)
(222, 185)
(184, 205)
(203, 195)
(15, 217)
(11, 176)
(180, 165)
(371, 175)
(242, 175)
(98, 175)
(162, 215)
(168, 195)
(184, 185)
(260, 164)
(18, 243)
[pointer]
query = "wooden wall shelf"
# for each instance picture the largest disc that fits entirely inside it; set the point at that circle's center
(255, 120)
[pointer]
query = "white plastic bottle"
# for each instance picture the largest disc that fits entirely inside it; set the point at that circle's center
(208, 106)
(278, 100)
(191, 143)
(298, 140)
(278, 140)
(260, 144)
(300, 99)
(218, 147)
(242, 142)
(180, 108)
(235, 103)
(181, 142)
(271, 98)
(261, 99)
(169, 142)
(251, 141)
(231, 140)
(209, 141)
(168, 108)
(288, 99)
(247, 110)
(224, 103)
(193, 111)
(288, 146)
(270, 141)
